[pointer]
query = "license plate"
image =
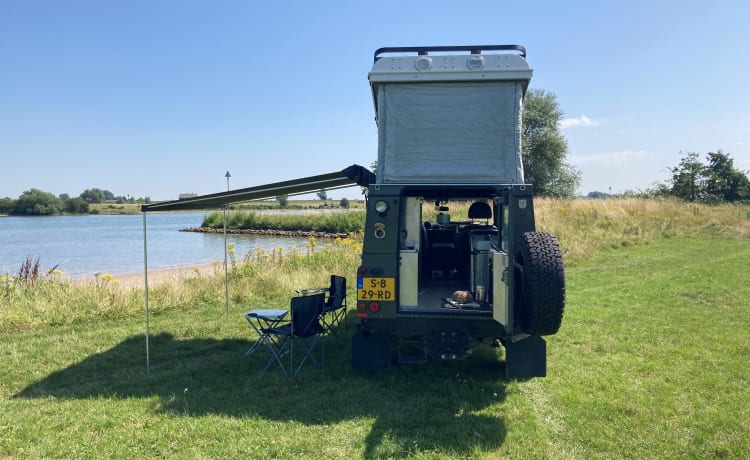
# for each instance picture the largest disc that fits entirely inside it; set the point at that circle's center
(376, 289)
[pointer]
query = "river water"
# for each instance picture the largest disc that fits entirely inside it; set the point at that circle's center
(84, 245)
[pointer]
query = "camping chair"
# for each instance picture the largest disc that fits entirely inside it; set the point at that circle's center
(334, 310)
(304, 327)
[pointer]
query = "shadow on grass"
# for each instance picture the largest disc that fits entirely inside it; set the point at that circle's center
(434, 407)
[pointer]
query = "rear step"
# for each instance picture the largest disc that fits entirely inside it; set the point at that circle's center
(411, 351)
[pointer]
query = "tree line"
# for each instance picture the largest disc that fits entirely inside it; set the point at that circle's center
(36, 202)
(716, 180)
(545, 151)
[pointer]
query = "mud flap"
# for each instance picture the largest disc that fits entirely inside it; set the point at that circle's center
(371, 351)
(526, 358)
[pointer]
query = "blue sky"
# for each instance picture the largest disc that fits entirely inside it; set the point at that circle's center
(155, 98)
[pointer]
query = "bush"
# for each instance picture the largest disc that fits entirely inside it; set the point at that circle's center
(76, 206)
(35, 202)
(7, 205)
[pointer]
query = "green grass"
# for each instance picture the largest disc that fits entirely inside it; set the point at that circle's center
(115, 208)
(340, 222)
(651, 359)
(651, 362)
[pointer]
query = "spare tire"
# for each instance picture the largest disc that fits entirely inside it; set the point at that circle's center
(540, 284)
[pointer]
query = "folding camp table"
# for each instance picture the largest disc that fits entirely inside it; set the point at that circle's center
(261, 321)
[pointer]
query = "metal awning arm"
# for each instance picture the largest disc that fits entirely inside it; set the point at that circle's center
(353, 175)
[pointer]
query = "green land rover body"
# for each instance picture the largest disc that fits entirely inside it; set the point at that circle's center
(434, 284)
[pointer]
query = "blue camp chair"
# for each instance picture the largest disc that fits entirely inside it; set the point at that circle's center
(304, 327)
(334, 309)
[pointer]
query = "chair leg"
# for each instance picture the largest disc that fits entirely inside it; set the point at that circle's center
(336, 322)
(277, 353)
(309, 345)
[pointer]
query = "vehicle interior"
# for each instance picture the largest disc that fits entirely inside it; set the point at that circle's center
(446, 248)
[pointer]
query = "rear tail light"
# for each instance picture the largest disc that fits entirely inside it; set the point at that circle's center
(374, 307)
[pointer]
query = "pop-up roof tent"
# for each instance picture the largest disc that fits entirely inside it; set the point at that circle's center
(353, 175)
(449, 118)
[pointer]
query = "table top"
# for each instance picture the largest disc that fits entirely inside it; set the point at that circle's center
(306, 292)
(269, 314)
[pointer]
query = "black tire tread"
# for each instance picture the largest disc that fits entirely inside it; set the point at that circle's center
(543, 297)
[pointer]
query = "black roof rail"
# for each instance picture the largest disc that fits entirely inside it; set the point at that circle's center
(423, 50)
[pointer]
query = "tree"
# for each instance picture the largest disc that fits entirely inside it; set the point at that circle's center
(92, 195)
(724, 182)
(6, 205)
(344, 203)
(322, 195)
(545, 148)
(717, 181)
(35, 202)
(687, 178)
(283, 200)
(76, 206)
(596, 195)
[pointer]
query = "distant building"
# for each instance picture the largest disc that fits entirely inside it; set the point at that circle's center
(185, 196)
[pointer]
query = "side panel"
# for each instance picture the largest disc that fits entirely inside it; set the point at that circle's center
(411, 222)
(382, 229)
(408, 278)
(500, 310)
(380, 253)
(518, 217)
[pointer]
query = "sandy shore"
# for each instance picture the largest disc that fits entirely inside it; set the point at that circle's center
(162, 275)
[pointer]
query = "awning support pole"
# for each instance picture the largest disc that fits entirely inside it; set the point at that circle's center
(226, 268)
(145, 295)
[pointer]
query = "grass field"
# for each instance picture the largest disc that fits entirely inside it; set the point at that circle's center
(651, 362)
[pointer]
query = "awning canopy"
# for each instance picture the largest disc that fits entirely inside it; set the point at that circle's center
(353, 175)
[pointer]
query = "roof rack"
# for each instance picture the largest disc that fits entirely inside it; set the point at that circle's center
(424, 50)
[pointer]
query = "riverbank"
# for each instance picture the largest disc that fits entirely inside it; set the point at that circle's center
(269, 232)
(167, 275)
(156, 276)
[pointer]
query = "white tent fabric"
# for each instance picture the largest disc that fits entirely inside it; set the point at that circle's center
(447, 132)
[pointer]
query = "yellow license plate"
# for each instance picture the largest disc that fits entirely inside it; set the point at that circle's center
(376, 289)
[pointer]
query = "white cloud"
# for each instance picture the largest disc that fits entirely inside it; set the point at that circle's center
(583, 120)
(625, 156)
(740, 143)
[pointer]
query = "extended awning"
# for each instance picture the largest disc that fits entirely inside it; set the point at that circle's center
(353, 175)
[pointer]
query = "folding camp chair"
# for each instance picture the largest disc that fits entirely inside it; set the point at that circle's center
(334, 310)
(304, 327)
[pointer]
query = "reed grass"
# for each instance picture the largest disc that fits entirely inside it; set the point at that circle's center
(585, 227)
(259, 276)
(337, 222)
